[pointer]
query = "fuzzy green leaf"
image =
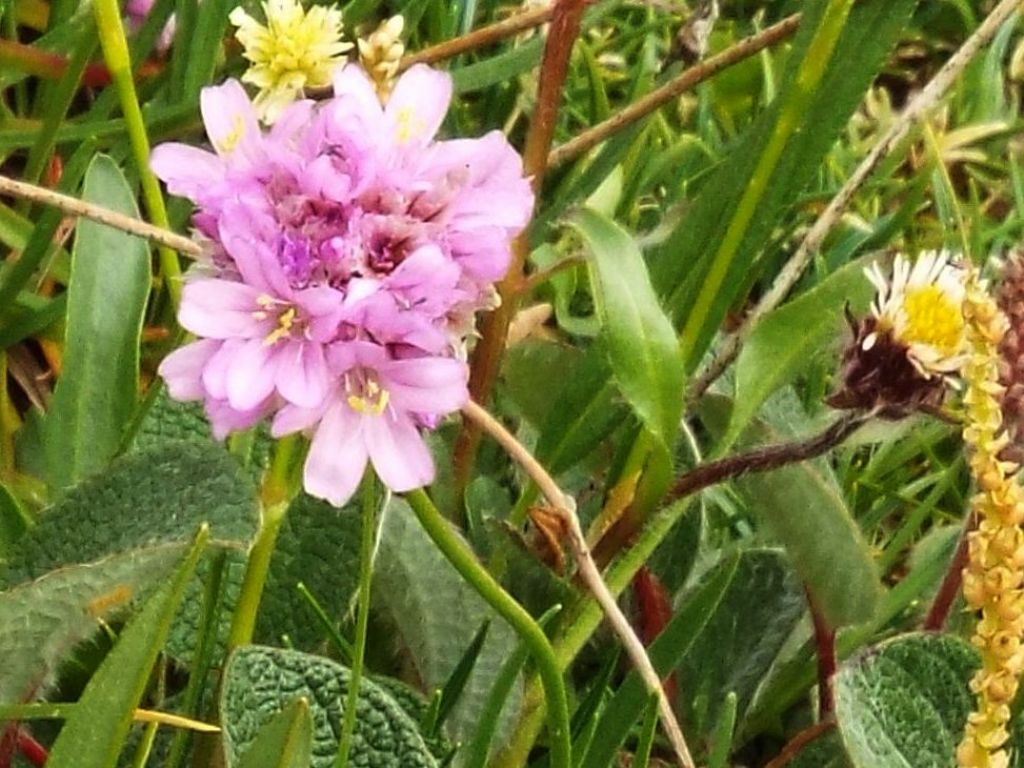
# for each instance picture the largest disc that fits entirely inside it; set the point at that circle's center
(904, 702)
(99, 383)
(259, 682)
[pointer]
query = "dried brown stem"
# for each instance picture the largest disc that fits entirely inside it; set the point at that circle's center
(798, 742)
(767, 458)
(688, 79)
(938, 614)
(75, 207)
(918, 107)
(588, 571)
(479, 38)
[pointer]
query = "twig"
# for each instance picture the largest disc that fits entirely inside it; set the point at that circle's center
(922, 103)
(950, 587)
(76, 207)
(672, 89)
(588, 571)
(798, 742)
(764, 459)
(825, 651)
(478, 38)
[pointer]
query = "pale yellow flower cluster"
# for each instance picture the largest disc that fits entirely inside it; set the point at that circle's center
(380, 53)
(296, 49)
(994, 576)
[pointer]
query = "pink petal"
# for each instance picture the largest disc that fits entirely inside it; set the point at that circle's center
(418, 104)
(434, 385)
(302, 376)
(215, 373)
(183, 369)
(220, 309)
(398, 452)
(337, 457)
(224, 419)
(229, 118)
(251, 374)
(291, 419)
(187, 171)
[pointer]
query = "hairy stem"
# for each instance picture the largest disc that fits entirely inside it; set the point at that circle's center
(919, 106)
(825, 651)
(369, 507)
(529, 631)
(588, 571)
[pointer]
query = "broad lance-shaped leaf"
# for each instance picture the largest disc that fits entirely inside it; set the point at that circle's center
(259, 682)
(801, 506)
(904, 703)
(93, 734)
(99, 383)
(723, 639)
(789, 339)
(42, 621)
(640, 340)
(284, 742)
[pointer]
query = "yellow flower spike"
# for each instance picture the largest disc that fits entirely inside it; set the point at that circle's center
(993, 576)
(296, 49)
(381, 52)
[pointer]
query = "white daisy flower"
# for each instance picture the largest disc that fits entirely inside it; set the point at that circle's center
(921, 307)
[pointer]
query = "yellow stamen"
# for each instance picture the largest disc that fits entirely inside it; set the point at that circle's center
(285, 321)
(374, 403)
(409, 126)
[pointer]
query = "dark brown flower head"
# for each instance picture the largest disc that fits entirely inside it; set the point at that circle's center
(1010, 299)
(878, 374)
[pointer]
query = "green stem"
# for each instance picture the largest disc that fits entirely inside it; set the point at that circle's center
(369, 527)
(463, 560)
(243, 623)
(115, 54)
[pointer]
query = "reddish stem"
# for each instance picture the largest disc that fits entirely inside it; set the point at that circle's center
(825, 650)
(798, 742)
(950, 587)
(654, 612)
(32, 750)
(565, 28)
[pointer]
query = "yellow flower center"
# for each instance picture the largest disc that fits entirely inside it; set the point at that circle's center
(285, 320)
(369, 399)
(933, 319)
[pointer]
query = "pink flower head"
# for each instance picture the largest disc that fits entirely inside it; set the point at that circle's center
(346, 249)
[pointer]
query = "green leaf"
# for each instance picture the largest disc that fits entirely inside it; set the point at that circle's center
(905, 702)
(789, 339)
(14, 521)
(318, 545)
(93, 734)
(98, 387)
(284, 742)
(823, 752)
(437, 614)
(704, 266)
(259, 682)
(641, 342)
(147, 499)
(802, 507)
(42, 621)
(726, 633)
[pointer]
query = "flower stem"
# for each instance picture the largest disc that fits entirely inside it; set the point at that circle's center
(949, 590)
(459, 555)
(275, 498)
(115, 53)
(369, 527)
(825, 651)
